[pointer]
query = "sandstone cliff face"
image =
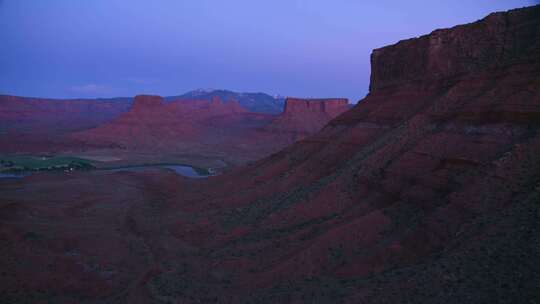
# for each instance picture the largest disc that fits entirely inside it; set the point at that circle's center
(331, 106)
(498, 40)
(143, 103)
(426, 191)
(304, 117)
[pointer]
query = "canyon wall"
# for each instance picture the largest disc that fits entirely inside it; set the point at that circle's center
(304, 117)
(329, 106)
(493, 42)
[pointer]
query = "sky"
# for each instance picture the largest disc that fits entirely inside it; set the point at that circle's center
(303, 48)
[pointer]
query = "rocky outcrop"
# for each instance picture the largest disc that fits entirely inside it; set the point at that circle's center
(496, 41)
(304, 117)
(143, 103)
(330, 106)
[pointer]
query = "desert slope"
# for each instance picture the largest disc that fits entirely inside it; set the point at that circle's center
(427, 191)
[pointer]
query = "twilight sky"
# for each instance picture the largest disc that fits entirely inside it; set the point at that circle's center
(305, 48)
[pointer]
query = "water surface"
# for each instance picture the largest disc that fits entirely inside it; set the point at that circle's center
(13, 175)
(183, 170)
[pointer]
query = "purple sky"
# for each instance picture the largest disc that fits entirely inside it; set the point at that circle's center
(307, 48)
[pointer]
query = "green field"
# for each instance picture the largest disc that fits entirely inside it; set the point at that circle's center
(20, 163)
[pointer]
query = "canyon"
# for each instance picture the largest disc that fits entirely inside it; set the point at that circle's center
(204, 132)
(214, 129)
(426, 191)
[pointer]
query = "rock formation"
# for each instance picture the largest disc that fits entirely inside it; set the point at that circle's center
(427, 191)
(496, 41)
(206, 128)
(210, 127)
(145, 103)
(152, 124)
(306, 116)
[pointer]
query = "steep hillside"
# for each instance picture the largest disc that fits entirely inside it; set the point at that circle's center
(410, 196)
(427, 191)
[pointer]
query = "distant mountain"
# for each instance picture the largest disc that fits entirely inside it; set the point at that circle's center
(254, 102)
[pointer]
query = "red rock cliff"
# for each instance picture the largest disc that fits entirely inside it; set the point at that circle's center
(307, 116)
(329, 106)
(495, 41)
(147, 102)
